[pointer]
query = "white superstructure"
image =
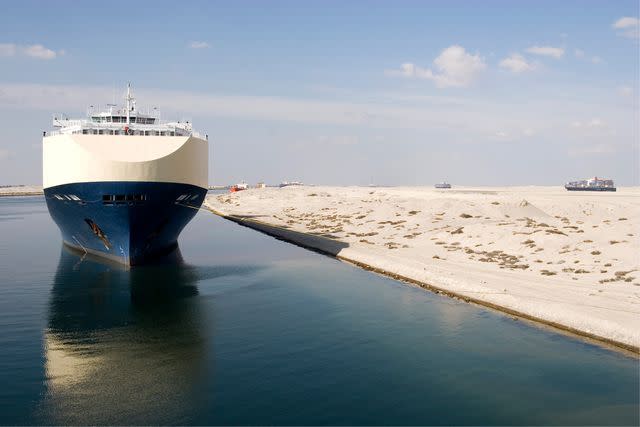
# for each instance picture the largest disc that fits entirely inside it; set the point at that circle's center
(92, 158)
(126, 120)
(123, 144)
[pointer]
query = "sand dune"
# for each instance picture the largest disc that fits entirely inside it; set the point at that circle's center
(569, 259)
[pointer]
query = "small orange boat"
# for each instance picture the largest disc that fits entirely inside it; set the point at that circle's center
(239, 187)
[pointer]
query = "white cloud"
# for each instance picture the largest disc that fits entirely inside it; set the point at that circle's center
(555, 52)
(7, 49)
(596, 123)
(198, 45)
(463, 116)
(407, 70)
(454, 68)
(4, 154)
(432, 113)
(581, 54)
(625, 91)
(513, 134)
(517, 63)
(626, 22)
(33, 51)
(38, 51)
(593, 123)
(338, 140)
(629, 25)
(594, 149)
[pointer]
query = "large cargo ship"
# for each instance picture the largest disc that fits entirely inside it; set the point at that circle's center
(592, 184)
(121, 183)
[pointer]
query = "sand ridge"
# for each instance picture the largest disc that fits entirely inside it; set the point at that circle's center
(569, 258)
(21, 190)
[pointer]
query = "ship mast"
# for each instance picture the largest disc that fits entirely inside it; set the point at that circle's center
(129, 98)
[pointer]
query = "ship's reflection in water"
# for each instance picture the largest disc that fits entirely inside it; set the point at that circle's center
(123, 345)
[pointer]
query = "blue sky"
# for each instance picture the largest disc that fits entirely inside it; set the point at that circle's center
(397, 93)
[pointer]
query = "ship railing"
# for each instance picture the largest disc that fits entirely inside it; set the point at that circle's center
(83, 126)
(167, 131)
(89, 124)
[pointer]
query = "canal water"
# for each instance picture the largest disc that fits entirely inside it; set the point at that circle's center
(240, 328)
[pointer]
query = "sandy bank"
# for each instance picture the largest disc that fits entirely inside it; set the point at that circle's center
(21, 190)
(569, 260)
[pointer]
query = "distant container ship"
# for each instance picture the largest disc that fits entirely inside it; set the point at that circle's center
(593, 184)
(443, 185)
(121, 184)
(290, 184)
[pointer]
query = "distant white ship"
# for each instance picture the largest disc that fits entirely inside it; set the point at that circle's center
(121, 183)
(443, 185)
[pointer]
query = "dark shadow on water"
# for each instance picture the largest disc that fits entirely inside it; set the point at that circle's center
(87, 287)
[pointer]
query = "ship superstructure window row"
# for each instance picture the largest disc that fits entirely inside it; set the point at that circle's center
(123, 119)
(126, 132)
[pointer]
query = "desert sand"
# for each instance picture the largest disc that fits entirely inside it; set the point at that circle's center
(567, 259)
(21, 190)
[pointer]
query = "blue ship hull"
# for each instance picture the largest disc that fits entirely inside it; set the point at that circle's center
(129, 222)
(572, 188)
